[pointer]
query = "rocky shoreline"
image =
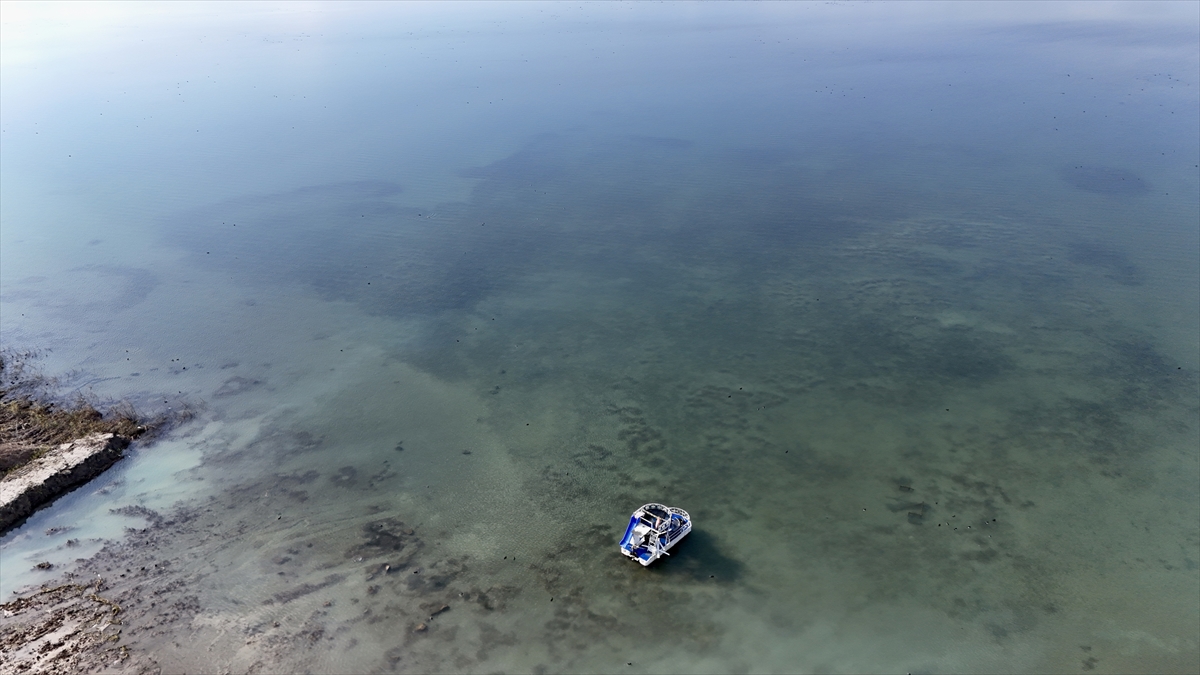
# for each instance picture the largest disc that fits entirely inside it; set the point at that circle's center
(23, 490)
(49, 444)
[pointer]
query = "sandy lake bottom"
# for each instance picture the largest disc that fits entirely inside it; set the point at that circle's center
(914, 437)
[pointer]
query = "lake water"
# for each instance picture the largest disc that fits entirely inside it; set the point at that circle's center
(900, 301)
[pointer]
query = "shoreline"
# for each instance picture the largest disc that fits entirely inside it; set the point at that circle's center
(48, 448)
(39, 482)
(50, 445)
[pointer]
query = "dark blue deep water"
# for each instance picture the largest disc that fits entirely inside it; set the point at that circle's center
(900, 301)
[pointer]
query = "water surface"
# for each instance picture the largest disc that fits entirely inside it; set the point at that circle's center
(899, 302)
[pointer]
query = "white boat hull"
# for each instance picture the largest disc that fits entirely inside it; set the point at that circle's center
(653, 530)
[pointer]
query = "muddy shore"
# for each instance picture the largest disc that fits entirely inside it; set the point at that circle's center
(48, 448)
(63, 627)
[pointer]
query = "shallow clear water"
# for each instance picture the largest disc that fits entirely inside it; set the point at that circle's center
(900, 302)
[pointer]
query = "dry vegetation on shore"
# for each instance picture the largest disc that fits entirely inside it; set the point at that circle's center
(28, 429)
(32, 422)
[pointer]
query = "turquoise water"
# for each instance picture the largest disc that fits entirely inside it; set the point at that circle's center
(900, 302)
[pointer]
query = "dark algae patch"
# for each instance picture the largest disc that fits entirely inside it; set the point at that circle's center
(1107, 181)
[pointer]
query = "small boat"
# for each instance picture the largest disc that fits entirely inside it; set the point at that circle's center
(653, 529)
